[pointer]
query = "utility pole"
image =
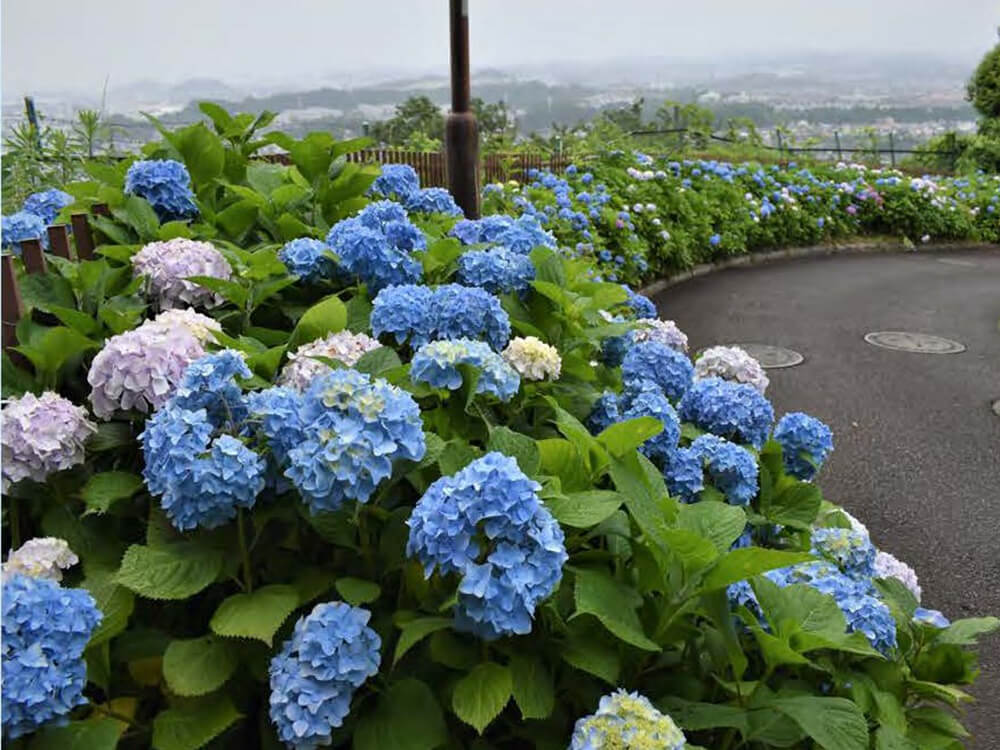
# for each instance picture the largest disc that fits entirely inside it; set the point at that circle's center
(461, 136)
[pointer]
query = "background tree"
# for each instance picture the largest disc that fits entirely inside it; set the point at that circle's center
(418, 114)
(983, 89)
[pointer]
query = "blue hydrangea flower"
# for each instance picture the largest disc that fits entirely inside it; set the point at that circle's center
(731, 410)
(520, 235)
(684, 474)
(805, 444)
(377, 246)
(852, 551)
(45, 631)
(331, 653)
(276, 412)
(498, 271)
(741, 594)
(642, 306)
(22, 226)
(210, 383)
(398, 181)
(469, 312)
(646, 399)
(308, 259)
(165, 184)
(930, 617)
(437, 364)
(433, 200)
(353, 430)
(658, 363)
(731, 468)
(605, 412)
(406, 312)
(626, 720)
(47, 204)
(487, 524)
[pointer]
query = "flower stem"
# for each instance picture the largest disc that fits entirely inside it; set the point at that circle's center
(247, 574)
(14, 519)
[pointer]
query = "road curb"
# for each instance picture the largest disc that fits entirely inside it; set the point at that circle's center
(794, 253)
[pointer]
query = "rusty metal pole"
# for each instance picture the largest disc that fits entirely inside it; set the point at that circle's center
(461, 136)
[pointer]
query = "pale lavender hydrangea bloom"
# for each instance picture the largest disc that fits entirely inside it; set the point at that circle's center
(731, 363)
(664, 331)
(888, 566)
(344, 346)
(201, 326)
(42, 435)
(140, 369)
(44, 557)
(166, 265)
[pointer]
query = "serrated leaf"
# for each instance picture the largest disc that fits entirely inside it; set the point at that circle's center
(407, 717)
(519, 447)
(834, 723)
(622, 437)
(796, 506)
(614, 604)
(198, 666)
(103, 489)
(965, 632)
(194, 724)
(115, 602)
(481, 695)
(582, 510)
(414, 631)
(720, 523)
(592, 657)
(357, 591)
(255, 615)
(742, 564)
(228, 290)
(97, 733)
(326, 316)
(378, 361)
(173, 571)
(532, 687)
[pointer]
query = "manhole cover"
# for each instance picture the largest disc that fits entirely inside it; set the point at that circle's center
(772, 357)
(922, 343)
(996, 407)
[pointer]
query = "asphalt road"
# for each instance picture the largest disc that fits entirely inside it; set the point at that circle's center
(917, 446)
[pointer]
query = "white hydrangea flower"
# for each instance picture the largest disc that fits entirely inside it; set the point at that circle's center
(44, 557)
(344, 346)
(42, 435)
(201, 326)
(731, 363)
(888, 566)
(664, 331)
(533, 359)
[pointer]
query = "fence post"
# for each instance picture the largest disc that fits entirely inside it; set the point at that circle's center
(83, 236)
(13, 308)
(892, 151)
(32, 255)
(840, 152)
(781, 148)
(59, 240)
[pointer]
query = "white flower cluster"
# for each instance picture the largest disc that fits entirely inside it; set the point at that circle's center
(44, 557)
(888, 566)
(731, 363)
(200, 326)
(42, 435)
(533, 359)
(664, 331)
(342, 346)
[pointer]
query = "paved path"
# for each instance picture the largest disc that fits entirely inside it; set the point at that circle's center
(917, 446)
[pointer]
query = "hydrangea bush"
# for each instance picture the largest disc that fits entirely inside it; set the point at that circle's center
(408, 501)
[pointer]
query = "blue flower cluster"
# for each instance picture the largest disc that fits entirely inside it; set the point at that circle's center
(930, 617)
(331, 653)
(203, 480)
(377, 246)
(165, 184)
(396, 181)
(417, 314)
(309, 259)
(731, 410)
(641, 399)
(805, 444)
(22, 226)
(349, 431)
(487, 524)
(433, 200)
(641, 305)
(604, 413)
(855, 597)
(852, 551)
(436, 364)
(45, 631)
(731, 468)
(684, 473)
(659, 364)
(47, 204)
(498, 270)
(521, 235)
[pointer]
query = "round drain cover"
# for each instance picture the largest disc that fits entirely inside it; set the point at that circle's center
(996, 407)
(922, 343)
(772, 357)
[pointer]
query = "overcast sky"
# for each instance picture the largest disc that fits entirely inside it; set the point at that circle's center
(53, 44)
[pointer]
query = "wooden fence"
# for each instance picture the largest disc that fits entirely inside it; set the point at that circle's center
(433, 166)
(33, 256)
